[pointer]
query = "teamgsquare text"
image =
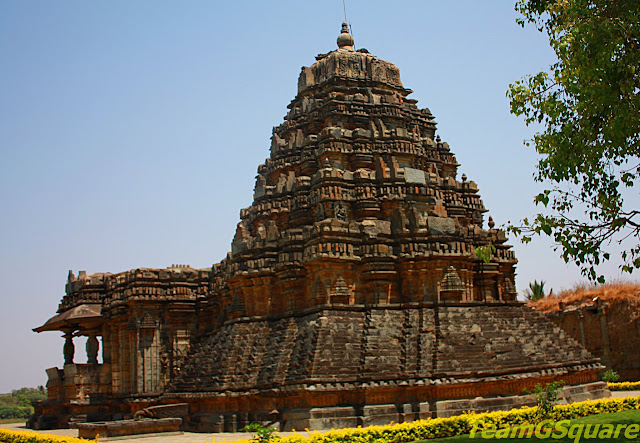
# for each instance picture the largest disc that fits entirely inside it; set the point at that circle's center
(548, 429)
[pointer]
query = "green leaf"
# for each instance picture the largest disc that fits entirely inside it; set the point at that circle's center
(587, 105)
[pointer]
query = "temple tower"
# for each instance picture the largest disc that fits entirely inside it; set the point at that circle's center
(355, 286)
(362, 287)
(359, 203)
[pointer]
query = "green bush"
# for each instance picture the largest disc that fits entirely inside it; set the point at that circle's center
(15, 411)
(26, 395)
(259, 433)
(546, 397)
(13, 405)
(611, 376)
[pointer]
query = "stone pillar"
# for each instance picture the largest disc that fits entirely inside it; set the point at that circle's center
(92, 348)
(581, 327)
(606, 347)
(69, 349)
(106, 345)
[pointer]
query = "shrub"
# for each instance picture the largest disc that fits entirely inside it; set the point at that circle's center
(536, 292)
(15, 411)
(8, 436)
(611, 376)
(546, 396)
(461, 424)
(624, 386)
(13, 405)
(260, 434)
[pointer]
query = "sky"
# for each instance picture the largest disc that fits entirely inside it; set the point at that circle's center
(130, 132)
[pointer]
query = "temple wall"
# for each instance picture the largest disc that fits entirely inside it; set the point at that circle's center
(610, 331)
(354, 344)
(148, 321)
(473, 340)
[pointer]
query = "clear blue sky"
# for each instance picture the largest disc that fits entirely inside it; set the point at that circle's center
(130, 132)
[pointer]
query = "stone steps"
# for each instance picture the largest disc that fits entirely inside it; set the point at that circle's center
(377, 344)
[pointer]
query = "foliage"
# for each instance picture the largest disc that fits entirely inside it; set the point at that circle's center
(546, 396)
(23, 396)
(484, 252)
(589, 107)
(18, 403)
(259, 433)
(624, 386)
(14, 411)
(536, 291)
(610, 376)
(8, 436)
(460, 424)
(595, 425)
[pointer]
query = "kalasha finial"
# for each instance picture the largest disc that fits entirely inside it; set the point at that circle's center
(345, 39)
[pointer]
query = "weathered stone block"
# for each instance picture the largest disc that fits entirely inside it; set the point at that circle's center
(128, 427)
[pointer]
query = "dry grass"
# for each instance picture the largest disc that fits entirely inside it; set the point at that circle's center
(5, 421)
(624, 295)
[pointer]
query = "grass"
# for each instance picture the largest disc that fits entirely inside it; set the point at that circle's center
(624, 294)
(12, 420)
(624, 417)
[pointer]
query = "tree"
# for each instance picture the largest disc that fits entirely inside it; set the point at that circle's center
(588, 104)
(536, 291)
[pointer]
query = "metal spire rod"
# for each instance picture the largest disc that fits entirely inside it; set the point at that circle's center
(344, 5)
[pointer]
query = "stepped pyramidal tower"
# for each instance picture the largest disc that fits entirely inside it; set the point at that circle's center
(353, 293)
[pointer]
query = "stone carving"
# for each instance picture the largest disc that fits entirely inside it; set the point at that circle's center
(509, 287)
(451, 281)
(177, 410)
(69, 349)
(340, 292)
(92, 349)
(340, 210)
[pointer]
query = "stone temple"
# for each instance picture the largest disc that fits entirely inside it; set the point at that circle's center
(352, 294)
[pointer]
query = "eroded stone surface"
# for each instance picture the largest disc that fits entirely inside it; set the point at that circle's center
(128, 427)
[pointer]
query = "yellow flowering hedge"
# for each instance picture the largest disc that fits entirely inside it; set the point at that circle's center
(625, 386)
(458, 425)
(7, 436)
(405, 432)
